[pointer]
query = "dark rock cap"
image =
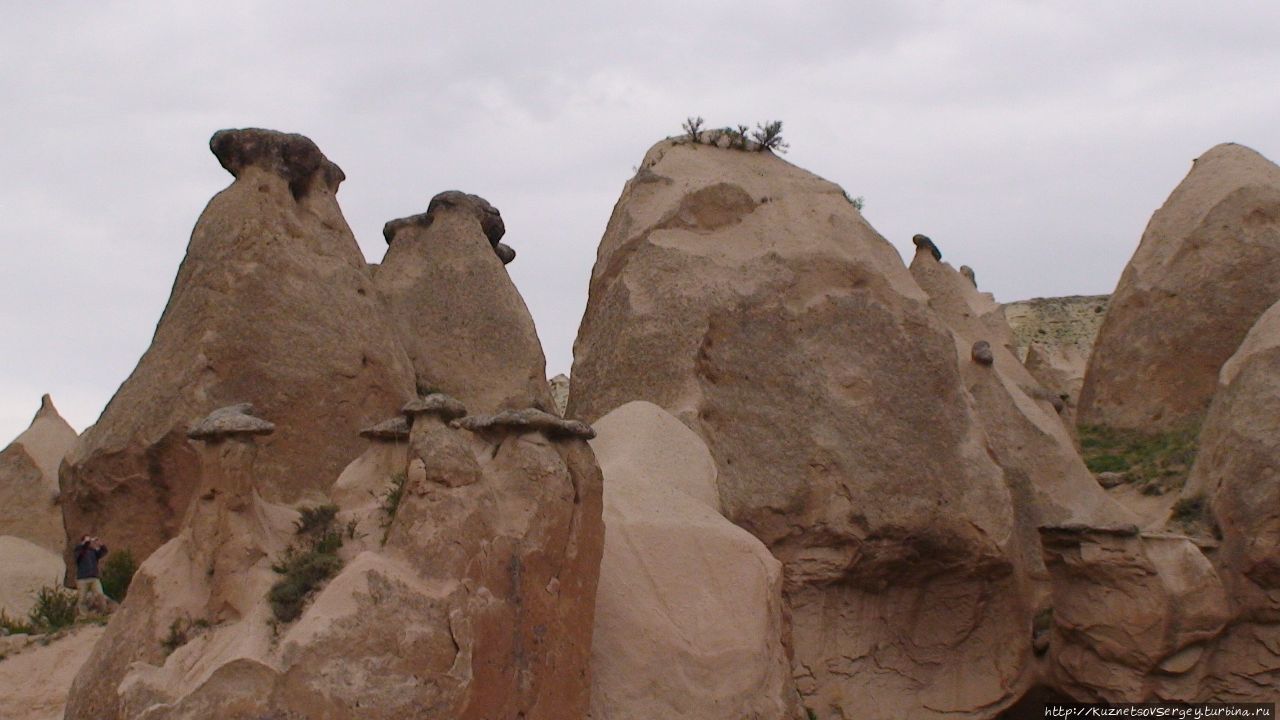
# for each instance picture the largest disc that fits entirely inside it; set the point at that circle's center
(437, 404)
(396, 428)
(527, 420)
(233, 420)
(291, 156)
(924, 243)
(487, 215)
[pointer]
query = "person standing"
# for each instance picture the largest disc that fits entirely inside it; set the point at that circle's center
(88, 552)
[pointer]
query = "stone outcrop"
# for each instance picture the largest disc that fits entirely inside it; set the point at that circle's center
(751, 300)
(1234, 489)
(29, 480)
(560, 392)
(273, 304)
(457, 574)
(689, 620)
(25, 568)
(456, 311)
(1133, 615)
(1054, 339)
(1207, 267)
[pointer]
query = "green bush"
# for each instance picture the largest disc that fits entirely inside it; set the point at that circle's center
(1159, 460)
(303, 573)
(307, 563)
(692, 129)
(177, 635)
(769, 137)
(117, 574)
(1189, 510)
(316, 520)
(12, 626)
(55, 609)
(390, 502)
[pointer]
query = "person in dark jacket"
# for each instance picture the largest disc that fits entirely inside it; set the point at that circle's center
(88, 552)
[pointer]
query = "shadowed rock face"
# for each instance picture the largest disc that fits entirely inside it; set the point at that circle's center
(273, 304)
(748, 298)
(1207, 267)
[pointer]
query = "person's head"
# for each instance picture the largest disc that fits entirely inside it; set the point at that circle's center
(85, 538)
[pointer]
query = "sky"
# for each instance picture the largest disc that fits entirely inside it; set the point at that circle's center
(1031, 140)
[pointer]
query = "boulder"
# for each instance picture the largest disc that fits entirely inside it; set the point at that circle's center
(1132, 615)
(749, 299)
(273, 303)
(25, 568)
(560, 392)
(1207, 267)
(1234, 491)
(29, 480)
(455, 577)
(456, 311)
(689, 620)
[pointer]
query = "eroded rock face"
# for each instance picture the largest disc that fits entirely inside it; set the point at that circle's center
(1207, 267)
(1133, 615)
(1235, 488)
(459, 316)
(273, 304)
(29, 480)
(749, 299)
(689, 620)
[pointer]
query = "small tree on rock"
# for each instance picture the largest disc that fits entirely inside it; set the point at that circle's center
(769, 137)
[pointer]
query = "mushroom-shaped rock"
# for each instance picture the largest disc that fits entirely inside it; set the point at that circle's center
(486, 214)
(438, 404)
(231, 421)
(981, 353)
(924, 243)
(527, 420)
(292, 156)
(396, 428)
(967, 272)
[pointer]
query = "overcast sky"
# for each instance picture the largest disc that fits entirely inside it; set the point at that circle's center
(1031, 140)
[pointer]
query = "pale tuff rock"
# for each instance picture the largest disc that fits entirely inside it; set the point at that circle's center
(25, 568)
(1207, 267)
(560, 392)
(1234, 488)
(1054, 338)
(273, 303)
(34, 680)
(689, 620)
(456, 311)
(1132, 614)
(740, 293)
(29, 481)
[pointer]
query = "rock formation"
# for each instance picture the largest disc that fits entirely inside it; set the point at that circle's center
(29, 480)
(689, 619)
(1234, 489)
(455, 576)
(1207, 267)
(25, 568)
(459, 316)
(748, 298)
(35, 676)
(560, 392)
(1055, 337)
(273, 303)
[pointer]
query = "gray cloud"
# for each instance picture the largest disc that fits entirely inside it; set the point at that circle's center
(1031, 140)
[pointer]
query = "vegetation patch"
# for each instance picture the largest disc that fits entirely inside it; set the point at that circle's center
(1156, 462)
(55, 608)
(117, 574)
(13, 626)
(390, 502)
(766, 136)
(1189, 511)
(309, 561)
